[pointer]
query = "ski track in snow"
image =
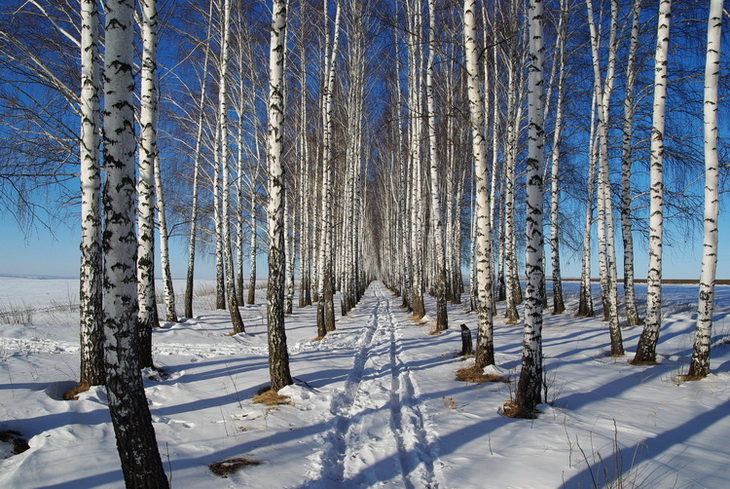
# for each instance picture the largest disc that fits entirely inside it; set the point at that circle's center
(379, 433)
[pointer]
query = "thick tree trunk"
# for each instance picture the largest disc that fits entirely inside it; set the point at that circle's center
(278, 353)
(646, 349)
(136, 442)
(700, 364)
(529, 386)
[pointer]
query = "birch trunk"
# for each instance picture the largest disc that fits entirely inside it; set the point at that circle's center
(130, 414)
(483, 256)
(632, 314)
(147, 317)
(646, 349)
(326, 306)
(91, 269)
(558, 303)
(192, 236)
(278, 354)
(437, 228)
(167, 285)
(700, 365)
(225, 236)
(529, 386)
(585, 302)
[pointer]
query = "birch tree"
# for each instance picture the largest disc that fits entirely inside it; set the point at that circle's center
(700, 364)
(646, 349)
(483, 258)
(136, 442)
(192, 235)
(147, 318)
(326, 306)
(529, 386)
(90, 275)
(225, 235)
(632, 314)
(278, 354)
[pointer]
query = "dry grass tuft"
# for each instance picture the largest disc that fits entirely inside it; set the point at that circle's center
(318, 338)
(231, 466)
(476, 376)
(416, 318)
(73, 394)
(512, 410)
(271, 398)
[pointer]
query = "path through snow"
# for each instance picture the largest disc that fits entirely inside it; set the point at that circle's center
(378, 435)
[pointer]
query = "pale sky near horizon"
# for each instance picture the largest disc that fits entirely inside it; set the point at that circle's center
(40, 254)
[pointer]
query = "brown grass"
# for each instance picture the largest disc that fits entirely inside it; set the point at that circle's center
(416, 318)
(317, 338)
(477, 376)
(641, 363)
(271, 398)
(73, 394)
(512, 410)
(225, 468)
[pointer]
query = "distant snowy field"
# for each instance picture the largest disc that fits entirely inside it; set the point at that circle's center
(375, 404)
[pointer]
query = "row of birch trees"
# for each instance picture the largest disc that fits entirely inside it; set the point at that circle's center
(400, 140)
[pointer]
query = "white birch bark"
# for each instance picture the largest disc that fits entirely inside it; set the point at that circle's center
(326, 311)
(529, 387)
(558, 303)
(646, 349)
(136, 442)
(606, 251)
(225, 236)
(700, 365)
(278, 354)
(437, 228)
(483, 257)
(147, 318)
(632, 314)
(585, 300)
(192, 235)
(167, 285)
(90, 271)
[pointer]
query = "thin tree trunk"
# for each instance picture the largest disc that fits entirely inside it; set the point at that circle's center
(700, 365)
(632, 314)
(483, 257)
(147, 317)
(646, 349)
(167, 286)
(236, 320)
(558, 303)
(190, 276)
(91, 269)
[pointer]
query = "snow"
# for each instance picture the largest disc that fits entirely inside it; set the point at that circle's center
(375, 403)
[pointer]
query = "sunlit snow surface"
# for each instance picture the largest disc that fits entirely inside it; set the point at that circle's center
(375, 404)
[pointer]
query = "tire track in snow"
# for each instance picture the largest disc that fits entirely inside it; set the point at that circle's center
(378, 435)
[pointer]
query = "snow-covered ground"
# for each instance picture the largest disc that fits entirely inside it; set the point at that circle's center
(375, 404)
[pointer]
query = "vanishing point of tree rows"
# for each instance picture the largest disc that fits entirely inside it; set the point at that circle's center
(407, 141)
